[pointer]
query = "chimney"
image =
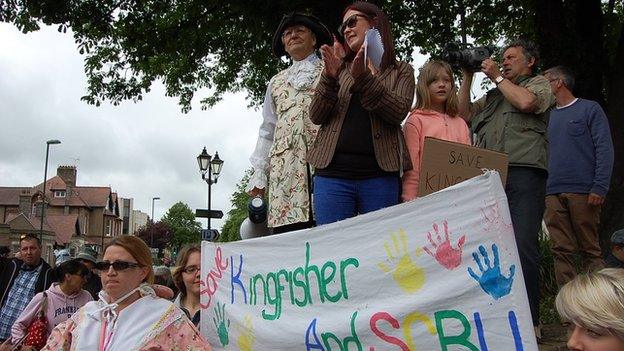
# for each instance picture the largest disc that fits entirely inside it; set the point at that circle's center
(68, 174)
(25, 203)
(38, 206)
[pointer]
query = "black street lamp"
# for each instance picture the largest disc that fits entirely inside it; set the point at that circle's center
(152, 229)
(212, 166)
(45, 176)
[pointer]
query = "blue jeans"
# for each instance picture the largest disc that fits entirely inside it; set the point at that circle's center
(526, 194)
(336, 199)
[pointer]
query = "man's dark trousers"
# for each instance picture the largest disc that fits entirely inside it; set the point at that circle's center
(526, 193)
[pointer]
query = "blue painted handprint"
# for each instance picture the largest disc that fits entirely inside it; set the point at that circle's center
(491, 279)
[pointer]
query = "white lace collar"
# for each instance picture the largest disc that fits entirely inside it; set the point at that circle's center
(302, 74)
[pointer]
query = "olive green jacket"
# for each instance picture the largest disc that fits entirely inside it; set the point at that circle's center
(500, 126)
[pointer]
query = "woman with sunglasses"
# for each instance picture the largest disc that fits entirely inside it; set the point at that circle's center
(128, 315)
(62, 299)
(186, 279)
(359, 151)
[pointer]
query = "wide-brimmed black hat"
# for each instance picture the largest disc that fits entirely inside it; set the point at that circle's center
(323, 35)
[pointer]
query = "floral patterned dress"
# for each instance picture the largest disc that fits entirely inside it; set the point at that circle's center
(289, 186)
(285, 136)
(147, 324)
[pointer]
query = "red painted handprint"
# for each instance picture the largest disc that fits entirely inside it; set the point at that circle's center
(445, 254)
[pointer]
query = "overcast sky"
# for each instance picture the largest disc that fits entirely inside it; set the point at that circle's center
(142, 150)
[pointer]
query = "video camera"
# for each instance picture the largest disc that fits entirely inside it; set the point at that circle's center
(466, 56)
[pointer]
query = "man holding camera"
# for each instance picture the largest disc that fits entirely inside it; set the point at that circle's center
(513, 118)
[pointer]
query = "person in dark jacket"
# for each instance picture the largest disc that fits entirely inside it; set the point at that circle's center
(20, 280)
(88, 257)
(616, 258)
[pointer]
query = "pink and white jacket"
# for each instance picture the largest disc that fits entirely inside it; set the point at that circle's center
(60, 308)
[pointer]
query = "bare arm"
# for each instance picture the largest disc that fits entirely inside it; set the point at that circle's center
(465, 106)
(520, 97)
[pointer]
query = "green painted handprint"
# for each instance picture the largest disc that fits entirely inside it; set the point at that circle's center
(220, 324)
(405, 273)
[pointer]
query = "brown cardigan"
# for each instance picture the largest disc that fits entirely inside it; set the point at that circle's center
(387, 96)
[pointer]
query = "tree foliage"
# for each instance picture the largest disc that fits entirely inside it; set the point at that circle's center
(181, 219)
(158, 233)
(225, 45)
(240, 199)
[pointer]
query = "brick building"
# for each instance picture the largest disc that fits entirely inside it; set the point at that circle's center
(74, 215)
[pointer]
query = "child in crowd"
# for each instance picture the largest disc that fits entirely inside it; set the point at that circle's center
(434, 115)
(59, 302)
(592, 305)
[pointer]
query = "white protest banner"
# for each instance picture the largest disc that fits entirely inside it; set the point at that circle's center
(438, 273)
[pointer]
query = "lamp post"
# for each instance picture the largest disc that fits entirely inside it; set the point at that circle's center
(212, 166)
(152, 230)
(45, 176)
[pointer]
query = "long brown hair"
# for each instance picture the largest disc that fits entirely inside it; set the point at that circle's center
(139, 250)
(379, 21)
(183, 257)
(426, 76)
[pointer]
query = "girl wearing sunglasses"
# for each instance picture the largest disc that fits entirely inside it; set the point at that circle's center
(359, 151)
(62, 299)
(128, 315)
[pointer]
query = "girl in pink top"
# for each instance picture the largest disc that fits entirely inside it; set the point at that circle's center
(63, 299)
(434, 115)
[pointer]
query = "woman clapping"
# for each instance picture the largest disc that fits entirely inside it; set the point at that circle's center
(359, 151)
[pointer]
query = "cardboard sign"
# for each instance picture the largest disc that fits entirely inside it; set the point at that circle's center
(438, 273)
(446, 163)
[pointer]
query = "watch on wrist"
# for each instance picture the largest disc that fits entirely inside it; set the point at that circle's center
(498, 80)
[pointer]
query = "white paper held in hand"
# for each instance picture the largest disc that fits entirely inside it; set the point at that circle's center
(373, 47)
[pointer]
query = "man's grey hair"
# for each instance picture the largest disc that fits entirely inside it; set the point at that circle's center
(562, 73)
(529, 49)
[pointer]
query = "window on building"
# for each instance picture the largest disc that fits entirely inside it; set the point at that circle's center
(59, 193)
(108, 229)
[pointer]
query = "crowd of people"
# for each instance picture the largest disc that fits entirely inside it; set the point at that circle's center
(50, 309)
(342, 136)
(356, 152)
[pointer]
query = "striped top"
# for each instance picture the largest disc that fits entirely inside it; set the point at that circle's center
(387, 97)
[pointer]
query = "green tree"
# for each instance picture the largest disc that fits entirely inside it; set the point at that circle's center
(188, 45)
(231, 228)
(156, 235)
(181, 219)
(225, 46)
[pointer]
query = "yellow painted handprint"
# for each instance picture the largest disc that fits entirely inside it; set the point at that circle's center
(406, 273)
(246, 335)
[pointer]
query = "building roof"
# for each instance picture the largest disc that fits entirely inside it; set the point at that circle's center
(10, 195)
(90, 196)
(63, 226)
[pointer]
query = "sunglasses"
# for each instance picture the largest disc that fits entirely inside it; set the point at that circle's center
(104, 266)
(191, 269)
(351, 22)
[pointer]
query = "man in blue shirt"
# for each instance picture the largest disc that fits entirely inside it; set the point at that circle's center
(579, 172)
(20, 280)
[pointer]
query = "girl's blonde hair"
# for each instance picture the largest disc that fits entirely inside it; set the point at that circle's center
(427, 75)
(595, 301)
